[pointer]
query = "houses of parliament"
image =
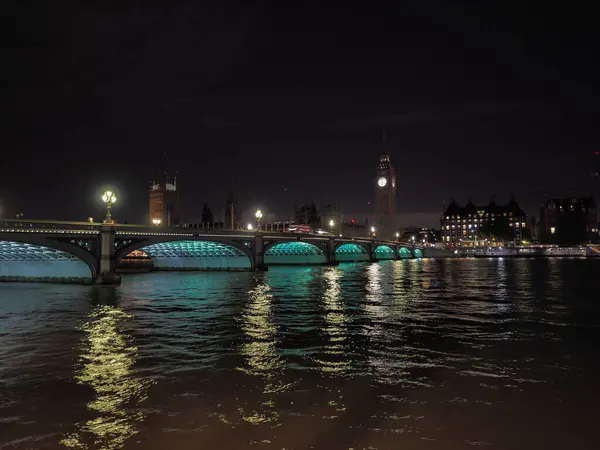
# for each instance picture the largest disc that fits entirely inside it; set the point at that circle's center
(381, 223)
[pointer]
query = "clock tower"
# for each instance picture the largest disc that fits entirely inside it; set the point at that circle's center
(385, 198)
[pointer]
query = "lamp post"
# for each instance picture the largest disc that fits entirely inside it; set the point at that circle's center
(397, 236)
(373, 231)
(249, 227)
(156, 222)
(331, 225)
(258, 215)
(109, 198)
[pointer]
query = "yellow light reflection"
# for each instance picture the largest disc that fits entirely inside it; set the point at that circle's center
(336, 324)
(260, 352)
(106, 366)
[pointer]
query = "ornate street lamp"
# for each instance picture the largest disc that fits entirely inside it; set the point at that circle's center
(250, 227)
(258, 215)
(156, 222)
(373, 231)
(109, 199)
(397, 236)
(331, 225)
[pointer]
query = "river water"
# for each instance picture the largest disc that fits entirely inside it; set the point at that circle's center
(454, 354)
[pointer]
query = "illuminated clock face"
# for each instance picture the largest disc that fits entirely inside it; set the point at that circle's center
(382, 181)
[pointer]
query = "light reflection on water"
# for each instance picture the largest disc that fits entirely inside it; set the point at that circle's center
(106, 365)
(260, 352)
(413, 354)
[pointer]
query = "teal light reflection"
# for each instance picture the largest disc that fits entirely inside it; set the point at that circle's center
(196, 255)
(384, 252)
(404, 253)
(294, 248)
(295, 253)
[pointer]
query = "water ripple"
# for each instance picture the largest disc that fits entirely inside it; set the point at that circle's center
(416, 354)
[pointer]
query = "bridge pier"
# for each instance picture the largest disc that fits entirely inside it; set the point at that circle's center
(330, 253)
(106, 257)
(258, 254)
(371, 247)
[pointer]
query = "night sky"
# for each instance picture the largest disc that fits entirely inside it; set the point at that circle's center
(287, 103)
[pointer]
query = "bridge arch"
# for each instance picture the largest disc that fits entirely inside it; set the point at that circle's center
(404, 253)
(351, 251)
(32, 258)
(175, 253)
(294, 252)
(417, 253)
(384, 251)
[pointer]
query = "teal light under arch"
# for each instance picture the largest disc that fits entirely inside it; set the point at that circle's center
(384, 252)
(196, 255)
(29, 262)
(404, 253)
(418, 253)
(295, 253)
(351, 252)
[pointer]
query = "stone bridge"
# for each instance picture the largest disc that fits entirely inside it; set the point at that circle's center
(86, 252)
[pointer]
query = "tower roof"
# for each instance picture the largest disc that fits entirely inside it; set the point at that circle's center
(384, 162)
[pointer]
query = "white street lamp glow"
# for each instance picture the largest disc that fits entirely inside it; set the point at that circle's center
(109, 198)
(258, 215)
(331, 223)
(156, 222)
(249, 227)
(372, 229)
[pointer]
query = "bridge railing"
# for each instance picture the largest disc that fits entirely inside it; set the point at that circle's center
(122, 228)
(47, 224)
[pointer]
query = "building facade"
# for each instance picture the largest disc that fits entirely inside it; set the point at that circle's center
(164, 202)
(385, 198)
(329, 218)
(490, 225)
(568, 221)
